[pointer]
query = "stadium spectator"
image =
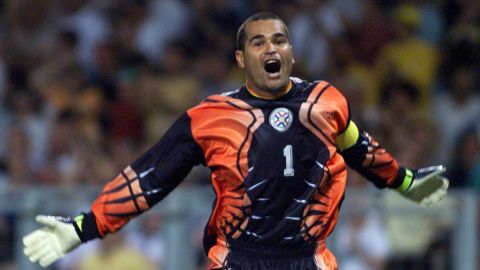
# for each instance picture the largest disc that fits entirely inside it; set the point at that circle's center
(87, 20)
(167, 92)
(149, 239)
(6, 237)
(357, 81)
(465, 159)
(220, 75)
(474, 173)
(371, 33)
(407, 57)
(123, 116)
(362, 242)
(432, 25)
(16, 162)
(116, 253)
(314, 29)
(462, 42)
(456, 108)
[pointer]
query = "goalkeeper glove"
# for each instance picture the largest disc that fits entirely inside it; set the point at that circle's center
(425, 186)
(50, 243)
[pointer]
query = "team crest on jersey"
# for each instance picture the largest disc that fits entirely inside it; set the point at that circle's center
(281, 119)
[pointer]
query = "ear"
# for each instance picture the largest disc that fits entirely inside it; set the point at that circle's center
(240, 59)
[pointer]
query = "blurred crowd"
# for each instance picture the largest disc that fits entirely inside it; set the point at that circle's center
(88, 85)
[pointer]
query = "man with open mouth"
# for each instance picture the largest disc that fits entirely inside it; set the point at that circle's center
(277, 148)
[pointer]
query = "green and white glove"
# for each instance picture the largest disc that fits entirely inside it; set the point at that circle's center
(425, 186)
(51, 242)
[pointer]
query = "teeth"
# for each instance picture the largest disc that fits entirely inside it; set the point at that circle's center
(271, 61)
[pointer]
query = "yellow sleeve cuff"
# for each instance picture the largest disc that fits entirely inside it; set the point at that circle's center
(348, 137)
(407, 181)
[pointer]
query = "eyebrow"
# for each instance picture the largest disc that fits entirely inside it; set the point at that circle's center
(276, 35)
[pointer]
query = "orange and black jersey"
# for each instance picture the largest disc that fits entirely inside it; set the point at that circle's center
(277, 172)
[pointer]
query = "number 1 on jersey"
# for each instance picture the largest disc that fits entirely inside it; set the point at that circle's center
(288, 153)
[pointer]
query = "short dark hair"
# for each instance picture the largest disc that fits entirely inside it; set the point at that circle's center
(260, 16)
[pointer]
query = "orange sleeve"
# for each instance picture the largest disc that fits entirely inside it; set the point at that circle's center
(340, 107)
(326, 114)
(148, 179)
(366, 156)
(375, 163)
(120, 200)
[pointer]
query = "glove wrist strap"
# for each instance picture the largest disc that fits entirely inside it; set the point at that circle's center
(407, 181)
(86, 227)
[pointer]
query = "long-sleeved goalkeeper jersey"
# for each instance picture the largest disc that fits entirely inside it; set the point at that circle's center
(277, 171)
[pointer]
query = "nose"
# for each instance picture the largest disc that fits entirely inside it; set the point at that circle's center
(271, 49)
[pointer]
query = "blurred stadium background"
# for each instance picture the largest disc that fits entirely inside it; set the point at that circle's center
(87, 85)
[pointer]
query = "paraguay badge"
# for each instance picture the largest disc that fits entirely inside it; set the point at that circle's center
(281, 119)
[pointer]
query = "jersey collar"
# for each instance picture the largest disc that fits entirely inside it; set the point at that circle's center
(254, 93)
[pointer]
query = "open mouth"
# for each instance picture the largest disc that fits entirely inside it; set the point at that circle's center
(272, 66)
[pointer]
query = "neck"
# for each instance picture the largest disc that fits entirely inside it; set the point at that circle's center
(269, 95)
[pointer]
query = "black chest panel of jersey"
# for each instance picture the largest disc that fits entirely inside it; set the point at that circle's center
(285, 170)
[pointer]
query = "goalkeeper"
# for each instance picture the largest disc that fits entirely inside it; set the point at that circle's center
(277, 148)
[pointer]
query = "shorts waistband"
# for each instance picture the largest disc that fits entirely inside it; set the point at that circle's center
(263, 251)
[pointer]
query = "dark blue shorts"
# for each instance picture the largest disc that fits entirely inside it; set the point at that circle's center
(249, 257)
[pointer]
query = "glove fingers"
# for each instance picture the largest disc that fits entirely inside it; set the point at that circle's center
(440, 195)
(48, 221)
(426, 201)
(445, 183)
(34, 237)
(49, 259)
(434, 199)
(441, 192)
(431, 185)
(38, 254)
(437, 196)
(38, 238)
(30, 250)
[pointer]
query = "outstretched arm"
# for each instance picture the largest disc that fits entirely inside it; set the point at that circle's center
(424, 186)
(136, 189)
